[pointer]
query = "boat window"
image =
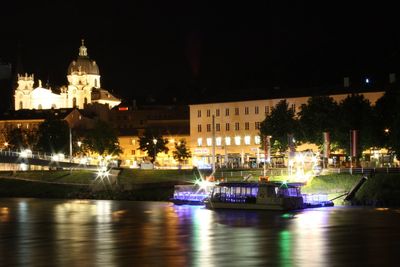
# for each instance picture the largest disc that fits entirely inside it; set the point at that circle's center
(289, 192)
(254, 191)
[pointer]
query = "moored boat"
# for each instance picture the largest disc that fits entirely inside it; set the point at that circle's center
(190, 194)
(257, 195)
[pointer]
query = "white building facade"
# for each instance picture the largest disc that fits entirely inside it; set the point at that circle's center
(83, 88)
(237, 129)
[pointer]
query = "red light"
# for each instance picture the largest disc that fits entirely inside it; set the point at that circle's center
(123, 108)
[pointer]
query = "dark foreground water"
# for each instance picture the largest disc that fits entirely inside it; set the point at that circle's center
(37, 232)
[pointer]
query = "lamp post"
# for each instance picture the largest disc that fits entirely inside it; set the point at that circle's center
(155, 150)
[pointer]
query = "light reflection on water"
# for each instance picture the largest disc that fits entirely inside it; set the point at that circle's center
(36, 232)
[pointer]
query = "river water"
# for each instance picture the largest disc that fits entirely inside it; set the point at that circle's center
(40, 232)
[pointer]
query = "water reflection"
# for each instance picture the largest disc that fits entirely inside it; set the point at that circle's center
(108, 233)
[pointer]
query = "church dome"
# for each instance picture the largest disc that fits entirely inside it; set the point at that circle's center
(83, 64)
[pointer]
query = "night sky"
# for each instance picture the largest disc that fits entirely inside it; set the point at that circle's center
(197, 49)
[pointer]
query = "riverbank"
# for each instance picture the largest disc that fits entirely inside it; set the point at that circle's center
(158, 185)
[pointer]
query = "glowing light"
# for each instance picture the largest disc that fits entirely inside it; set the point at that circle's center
(23, 167)
(79, 143)
(227, 141)
(218, 141)
(247, 140)
(25, 153)
(237, 140)
(5, 144)
(209, 141)
(123, 108)
(303, 167)
(204, 184)
(199, 141)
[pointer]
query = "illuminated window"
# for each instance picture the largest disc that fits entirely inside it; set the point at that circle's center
(209, 141)
(218, 127)
(227, 141)
(199, 141)
(227, 128)
(266, 110)
(218, 141)
(208, 113)
(257, 125)
(217, 112)
(247, 140)
(236, 111)
(246, 126)
(199, 128)
(257, 140)
(227, 112)
(237, 140)
(236, 126)
(199, 113)
(208, 127)
(256, 110)
(246, 110)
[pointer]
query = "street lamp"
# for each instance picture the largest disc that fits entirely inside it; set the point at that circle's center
(79, 143)
(155, 151)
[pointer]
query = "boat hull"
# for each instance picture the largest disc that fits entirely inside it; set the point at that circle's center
(187, 202)
(282, 204)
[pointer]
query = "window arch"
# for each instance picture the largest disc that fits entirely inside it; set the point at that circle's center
(74, 102)
(21, 105)
(85, 101)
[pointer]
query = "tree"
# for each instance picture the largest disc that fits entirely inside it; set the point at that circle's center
(279, 124)
(181, 152)
(101, 139)
(317, 116)
(53, 136)
(386, 118)
(355, 113)
(153, 143)
(20, 139)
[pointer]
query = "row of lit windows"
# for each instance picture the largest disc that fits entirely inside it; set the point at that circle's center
(228, 126)
(236, 111)
(238, 140)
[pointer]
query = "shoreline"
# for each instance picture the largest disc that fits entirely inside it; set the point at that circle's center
(381, 190)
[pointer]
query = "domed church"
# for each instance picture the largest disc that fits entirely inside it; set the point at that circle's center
(83, 88)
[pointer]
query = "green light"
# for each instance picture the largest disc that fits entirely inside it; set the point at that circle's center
(285, 248)
(287, 215)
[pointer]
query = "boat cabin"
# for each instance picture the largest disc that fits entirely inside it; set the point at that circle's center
(253, 192)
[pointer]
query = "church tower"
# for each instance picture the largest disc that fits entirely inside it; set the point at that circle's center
(83, 75)
(23, 92)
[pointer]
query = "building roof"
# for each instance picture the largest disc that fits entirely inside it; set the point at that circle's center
(35, 114)
(102, 94)
(83, 64)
